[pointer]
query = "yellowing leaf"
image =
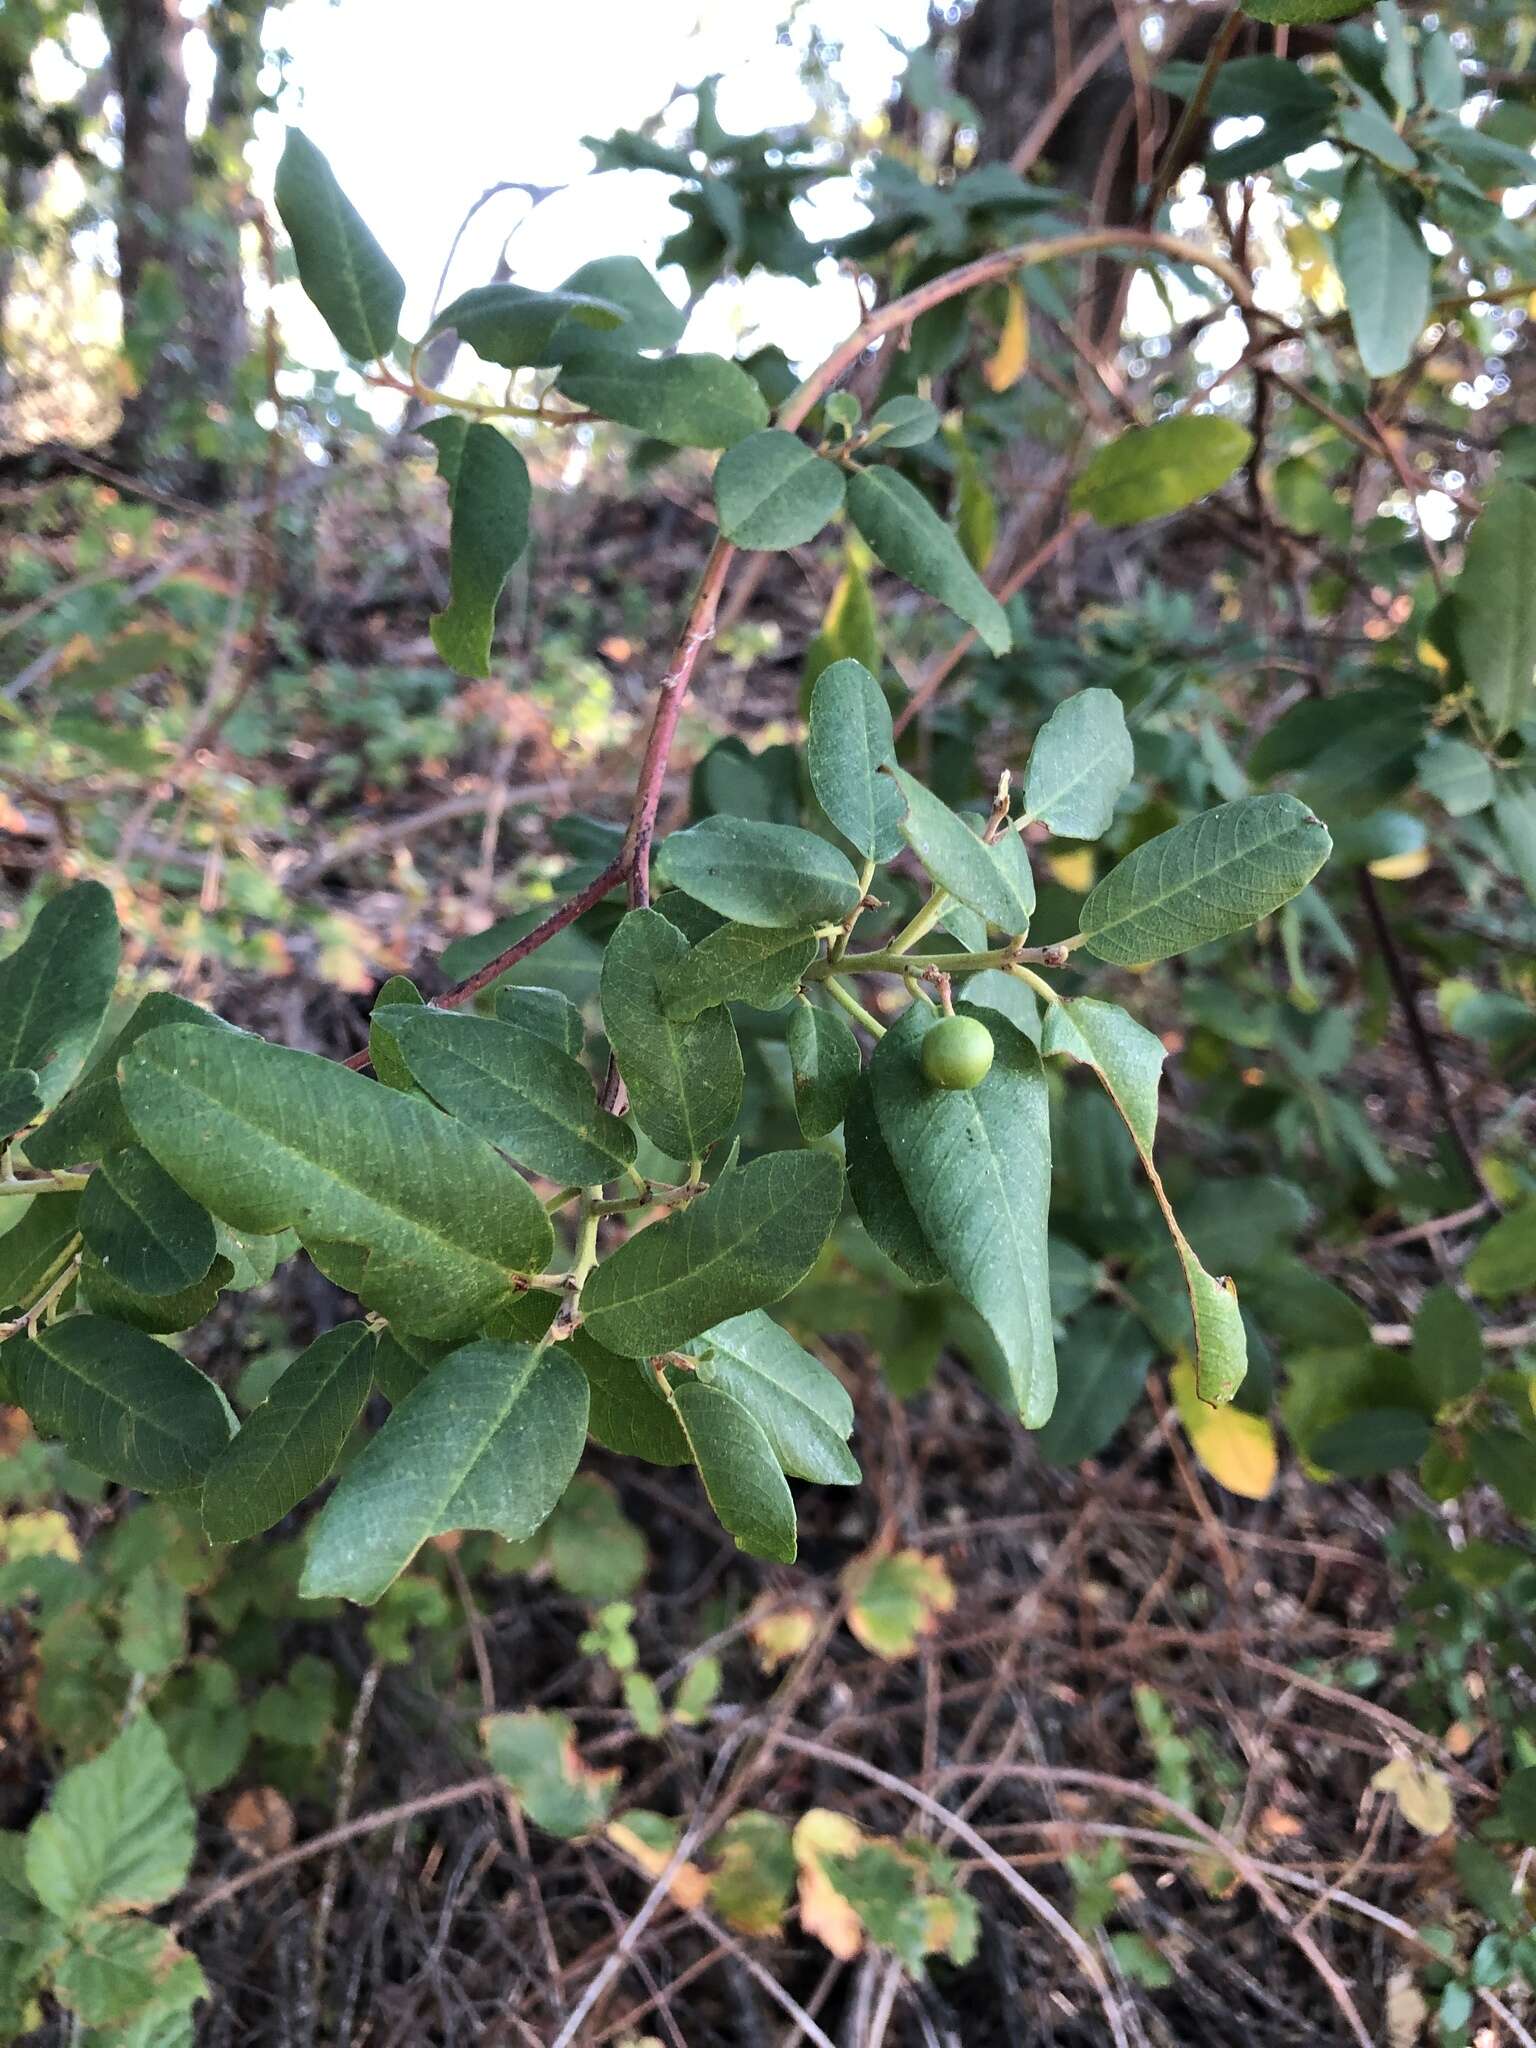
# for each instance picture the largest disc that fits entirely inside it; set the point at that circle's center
(755, 1874)
(1004, 369)
(1073, 870)
(824, 1914)
(650, 1840)
(783, 1634)
(1401, 867)
(1237, 1449)
(895, 1600)
(44, 1534)
(1423, 1796)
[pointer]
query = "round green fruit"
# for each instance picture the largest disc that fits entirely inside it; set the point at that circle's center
(957, 1053)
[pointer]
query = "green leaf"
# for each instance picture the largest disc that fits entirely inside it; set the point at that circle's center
(545, 1012)
(850, 740)
(1365, 125)
(32, 1248)
(489, 1440)
(1385, 267)
(1495, 602)
(976, 1167)
(629, 1413)
(1103, 1364)
(595, 1550)
(1504, 1262)
(343, 270)
(152, 1622)
(905, 422)
(399, 992)
(746, 1486)
(802, 1409)
(973, 872)
(393, 1200)
(877, 1189)
(1211, 876)
(446, 436)
(743, 1245)
(536, 1754)
(104, 1294)
(1447, 1356)
(515, 326)
(650, 318)
(1456, 774)
(148, 1235)
(910, 538)
(55, 988)
(119, 1831)
(693, 401)
(824, 1060)
(21, 1100)
(127, 1407)
(1152, 471)
(684, 1080)
(1128, 1059)
(91, 1122)
(1371, 1441)
(1287, 12)
(851, 628)
(533, 1102)
(1080, 766)
(291, 1442)
(491, 501)
(772, 491)
(739, 963)
(778, 876)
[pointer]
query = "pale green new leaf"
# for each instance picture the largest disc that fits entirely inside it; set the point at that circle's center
(1128, 1059)
(55, 988)
(127, 1407)
(1496, 606)
(1080, 766)
(692, 401)
(491, 501)
(515, 326)
(489, 1440)
(395, 1201)
(1204, 879)
(1385, 266)
(291, 1442)
(975, 1164)
(973, 872)
(778, 876)
(850, 739)
(743, 1245)
(1152, 471)
(684, 1080)
(739, 963)
(802, 1409)
(910, 538)
(119, 1831)
(745, 1483)
(343, 270)
(533, 1102)
(825, 1064)
(773, 491)
(149, 1236)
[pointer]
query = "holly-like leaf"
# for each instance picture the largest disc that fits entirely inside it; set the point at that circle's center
(149, 1236)
(976, 1167)
(489, 1440)
(743, 1245)
(910, 538)
(513, 1087)
(1495, 601)
(849, 741)
(684, 1080)
(491, 501)
(127, 1407)
(119, 1831)
(777, 876)
(739, 963)
(773, 491)
(1128, 1059)
(824, 1061)
(395, 1201)
(343, 270)
(1211, 876)
(55, 988)
(1152, 471)
(987, 879)
(515, 326)
(803, 1409)
(1385, 266)
(1080, 766)
(745, 1483)
(692, 401)
(291, 1442)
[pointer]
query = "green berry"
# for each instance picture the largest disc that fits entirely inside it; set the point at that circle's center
(957, 1053)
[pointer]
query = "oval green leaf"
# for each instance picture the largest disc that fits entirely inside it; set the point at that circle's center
(910, 538)
(344, 272)
(694, 401)
(1151, 471)
(850, 739)
(148, 1235)
(772, 491)
(491, 501)
(777, 876)
(684, 1079)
